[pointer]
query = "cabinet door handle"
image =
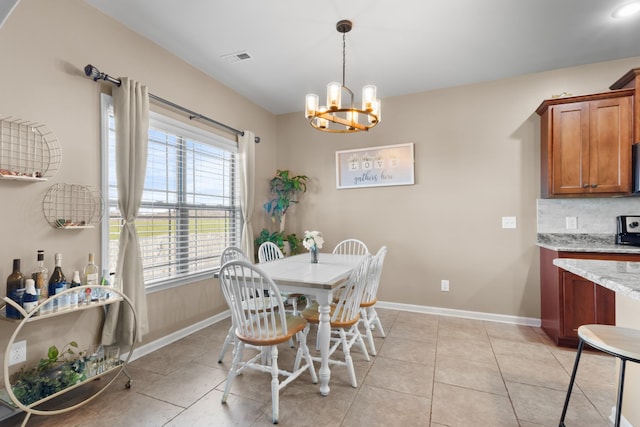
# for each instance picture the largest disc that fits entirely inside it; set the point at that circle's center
(585, 186)
(594, 185)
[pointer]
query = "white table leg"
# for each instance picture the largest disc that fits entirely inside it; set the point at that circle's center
(324, 335)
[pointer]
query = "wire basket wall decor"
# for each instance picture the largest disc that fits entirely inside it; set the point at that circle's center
(28, 151)
(72, 206)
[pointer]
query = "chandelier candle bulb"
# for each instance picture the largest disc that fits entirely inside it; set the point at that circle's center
(312, 105)
(334, 95)
(368, 97)
(377, 107)
(352, 116)
(323, 123)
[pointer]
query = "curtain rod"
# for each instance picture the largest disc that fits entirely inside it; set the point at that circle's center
(96, 75)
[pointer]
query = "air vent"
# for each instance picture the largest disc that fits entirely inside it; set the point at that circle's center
(237, 57)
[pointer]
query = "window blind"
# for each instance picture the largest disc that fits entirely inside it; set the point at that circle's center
(190, 205)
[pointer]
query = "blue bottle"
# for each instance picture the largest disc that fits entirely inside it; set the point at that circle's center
(57, 281)
(15, 290)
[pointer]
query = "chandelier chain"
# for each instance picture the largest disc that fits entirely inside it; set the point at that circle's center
(344, 57)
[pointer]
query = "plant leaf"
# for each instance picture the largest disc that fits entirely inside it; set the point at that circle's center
(52, 354)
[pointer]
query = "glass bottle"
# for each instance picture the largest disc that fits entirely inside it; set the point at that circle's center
(40, 276)
(30, 297)
(90, 277)
(15, 290)
(57, 283)
(74, 297)
(106, 282)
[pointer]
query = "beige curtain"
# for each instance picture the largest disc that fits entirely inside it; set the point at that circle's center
(247, 163)
(131, 112)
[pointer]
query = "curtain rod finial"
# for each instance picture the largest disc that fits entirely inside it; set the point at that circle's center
(96, 75)
(92, 72)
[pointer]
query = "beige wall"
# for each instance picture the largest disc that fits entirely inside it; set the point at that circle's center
(476, 160)
(44, 46)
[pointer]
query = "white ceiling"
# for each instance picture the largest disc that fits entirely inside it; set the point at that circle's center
(401, 46)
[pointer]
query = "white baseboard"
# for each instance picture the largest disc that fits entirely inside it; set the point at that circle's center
(623, 421)
(476, 315)
(145, 349)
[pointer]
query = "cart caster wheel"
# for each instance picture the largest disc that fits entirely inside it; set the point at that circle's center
(128, 384)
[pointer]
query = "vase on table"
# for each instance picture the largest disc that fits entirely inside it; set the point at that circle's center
(314, 254)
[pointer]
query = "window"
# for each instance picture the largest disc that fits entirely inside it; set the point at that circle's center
(190, 206)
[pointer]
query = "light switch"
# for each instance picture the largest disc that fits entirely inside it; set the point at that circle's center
(508, 222)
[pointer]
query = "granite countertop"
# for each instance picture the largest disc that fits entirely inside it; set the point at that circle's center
(619, 276)
(598, 243)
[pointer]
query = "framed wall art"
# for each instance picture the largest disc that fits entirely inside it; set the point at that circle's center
(375, 167)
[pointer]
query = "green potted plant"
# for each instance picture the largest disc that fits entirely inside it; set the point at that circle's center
(279, 239)
(285, 188)
(267, 236)
(59, 370)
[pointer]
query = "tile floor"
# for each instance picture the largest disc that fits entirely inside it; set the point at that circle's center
(430, 371)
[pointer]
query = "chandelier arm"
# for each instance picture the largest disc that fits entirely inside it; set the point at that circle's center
(344, 130)
(350, 95)
(334, 118)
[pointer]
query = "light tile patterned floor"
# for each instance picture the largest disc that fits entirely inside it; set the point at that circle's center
(430, 371)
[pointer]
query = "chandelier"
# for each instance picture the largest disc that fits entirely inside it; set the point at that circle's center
(333, 117)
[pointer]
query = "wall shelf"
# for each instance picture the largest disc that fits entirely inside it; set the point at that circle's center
(72, 206)
(29, 151)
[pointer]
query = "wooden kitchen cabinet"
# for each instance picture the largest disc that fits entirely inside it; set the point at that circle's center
(585, 302)
(586, 144)
(631, 80)
(568, 301)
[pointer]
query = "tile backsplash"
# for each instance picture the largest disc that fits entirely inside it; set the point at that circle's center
(594, 216)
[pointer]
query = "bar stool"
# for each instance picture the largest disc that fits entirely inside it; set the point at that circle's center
(623, 343)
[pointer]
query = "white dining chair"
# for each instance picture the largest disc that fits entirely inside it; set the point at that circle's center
(269, 251)
(351, 247)
(345, 314)
(233, 253)
(265, 329)
(368, 315)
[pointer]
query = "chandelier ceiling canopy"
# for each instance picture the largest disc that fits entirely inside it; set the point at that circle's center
(334, 117)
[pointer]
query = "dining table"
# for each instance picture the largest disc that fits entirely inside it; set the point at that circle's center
(297, 274)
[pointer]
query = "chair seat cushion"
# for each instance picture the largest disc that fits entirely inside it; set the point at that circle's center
(614, 340)
(295, 324)
(369, 303)
(312, 315)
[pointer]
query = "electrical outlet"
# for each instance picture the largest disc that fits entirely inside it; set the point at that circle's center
(509, 222)
(572, 222)
(18, 353)
(444, 285)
